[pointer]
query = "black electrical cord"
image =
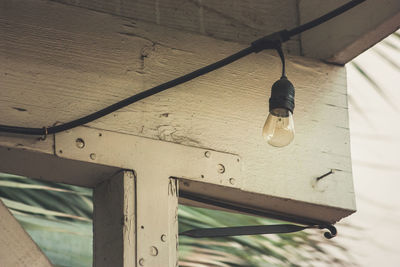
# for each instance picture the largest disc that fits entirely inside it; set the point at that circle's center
(267, 42)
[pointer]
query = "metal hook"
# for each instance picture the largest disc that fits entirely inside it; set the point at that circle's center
(332, 230)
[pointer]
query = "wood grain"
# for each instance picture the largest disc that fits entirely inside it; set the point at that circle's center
(337, 41)
(59, 62)
(114, 227)
(345, 37)
(236, 20)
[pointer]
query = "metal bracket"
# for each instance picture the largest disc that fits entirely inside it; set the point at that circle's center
(131, 152)
(256, 230)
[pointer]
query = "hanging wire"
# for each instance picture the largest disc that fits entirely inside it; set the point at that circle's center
(272, 41)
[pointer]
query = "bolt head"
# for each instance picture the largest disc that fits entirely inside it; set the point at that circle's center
(207, 154)
(141, 262)
(92, 156)
(163, 238)
(80, 143)
(153, 251)
(221, 168)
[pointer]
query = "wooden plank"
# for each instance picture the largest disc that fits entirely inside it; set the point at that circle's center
(114, 221)
(60, 62)
(236, 20)
(196, 168)
(337, 41)
(345, 37)
(157, 218)
(19, 160)
(16, 246)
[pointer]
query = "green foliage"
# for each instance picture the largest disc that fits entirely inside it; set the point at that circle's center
(58, 218)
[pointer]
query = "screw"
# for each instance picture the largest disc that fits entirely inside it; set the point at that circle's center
(141, 262)
(232, 181)
(163, 238)
(207, 154)
(221, 168)
(93, 156)
(80, 143)
(153, 251)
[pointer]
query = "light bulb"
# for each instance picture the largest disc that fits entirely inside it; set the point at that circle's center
(278, 130)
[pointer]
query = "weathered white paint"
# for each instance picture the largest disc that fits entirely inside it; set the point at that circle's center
(114, 217)
(157, 217)
(60, 62)
(132, 152)
(347, 36)
(337, 41)
(16, 247)
(235, 20)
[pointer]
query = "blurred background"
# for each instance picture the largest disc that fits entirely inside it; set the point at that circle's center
(374, 93)
(59, 217)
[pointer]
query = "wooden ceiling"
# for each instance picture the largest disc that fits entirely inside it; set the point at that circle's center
(243, 21)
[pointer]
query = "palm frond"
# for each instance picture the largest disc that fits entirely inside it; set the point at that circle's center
(63, 230)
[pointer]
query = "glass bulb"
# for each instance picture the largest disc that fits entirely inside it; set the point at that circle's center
(279, 127)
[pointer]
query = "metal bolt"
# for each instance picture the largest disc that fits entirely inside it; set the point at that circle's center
(141, 262)
(163, 238)
(93, 156)
(207, 154)
(80, 143)
(221, 168)
(232, 181)
(153, 251)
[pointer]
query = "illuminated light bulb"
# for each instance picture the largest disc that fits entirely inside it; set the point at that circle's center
(279, 127)
(278, 130)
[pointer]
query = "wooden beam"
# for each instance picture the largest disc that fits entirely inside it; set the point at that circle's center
(345, 37)
(337, 41)
(240, 21)
(62, 62)
(136, 219)
(114, 221)
(16, 246)
(157, 218)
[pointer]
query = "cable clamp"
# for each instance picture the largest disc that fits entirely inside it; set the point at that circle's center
(272, 41)
(46, 132)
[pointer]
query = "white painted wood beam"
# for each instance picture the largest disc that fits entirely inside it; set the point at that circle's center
(114, 221)
(136, 219)
(337, 41)
(16, 246)
(61, 62)
(235, 20)
(345, 37)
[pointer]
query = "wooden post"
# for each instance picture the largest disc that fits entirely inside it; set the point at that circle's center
(136, 220)
(157, 218)
(114, 241)
(16, 246)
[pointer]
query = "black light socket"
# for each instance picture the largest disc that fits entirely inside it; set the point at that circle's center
(282, 95)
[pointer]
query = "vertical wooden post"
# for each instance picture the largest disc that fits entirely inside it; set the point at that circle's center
(114, 242)
(136, 220)
(157, 219)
